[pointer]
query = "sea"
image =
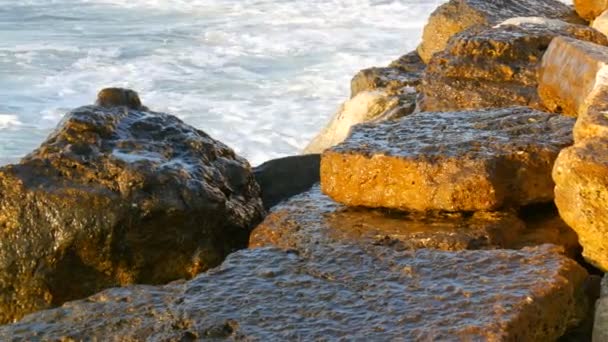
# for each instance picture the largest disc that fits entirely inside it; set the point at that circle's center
(262, 76)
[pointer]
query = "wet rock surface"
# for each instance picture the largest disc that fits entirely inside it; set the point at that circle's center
(495, 67)
(581, 194)
(456, 161)
(118, 196)
(590, 9)
(573, 76)
(338, 291)
(459, 15)
(367, 106)
(282, 178)
(312, 219)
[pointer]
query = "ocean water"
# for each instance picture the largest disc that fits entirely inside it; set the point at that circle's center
(263, 76)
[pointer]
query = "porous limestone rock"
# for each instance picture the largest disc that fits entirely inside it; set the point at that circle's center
(458, 15)
(573, 75)
(312, 219)
(117, 195)
(601, 23)
(495, 67)
(593, 121)
(454, 161)
(376, 105)
(581, 195)
(590, 9)
(337, 292)
(403, 72)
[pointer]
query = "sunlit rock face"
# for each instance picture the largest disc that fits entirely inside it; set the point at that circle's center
(459, 15)
(573, 76)
(337, 291)
(454, 161)
(601, 23)
(495, 67)
(590, 9)
(118, 195)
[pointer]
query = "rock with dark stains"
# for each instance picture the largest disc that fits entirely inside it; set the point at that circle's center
(312, 219)
(495, 67)
(337, 292)
(115, 196)
(573, 76)
(454, 161)
(458, 15)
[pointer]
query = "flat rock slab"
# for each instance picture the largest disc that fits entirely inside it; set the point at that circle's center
(581, 195)
(573, 75)
(495, 67)
(312, 219)
(458, 15)
(118, 195)
(340, 291)
(454, 161)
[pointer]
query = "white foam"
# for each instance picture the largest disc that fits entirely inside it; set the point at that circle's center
(552, 23)
(8, 121)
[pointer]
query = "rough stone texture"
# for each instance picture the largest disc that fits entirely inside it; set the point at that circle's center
(600, 328)
(593, 122)
(496, 67)
(312, 219)
(117, 97)
(589, 9)
(458, 15)
(403, 72)
(117, 196)
(581, 195)
(572, 75)
(601, 23)
(368, 106)
(456, 161)
(337, 292)
(282, 178)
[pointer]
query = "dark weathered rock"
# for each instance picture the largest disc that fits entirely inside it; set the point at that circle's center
(573, 76)
(282, 178)
(457, 161)
(118, 97)
(403, 72)
(337, 292)
(118, 196)
(458, 15)
(590, 9)
(600, 328)
(313, 219)
(496, 67)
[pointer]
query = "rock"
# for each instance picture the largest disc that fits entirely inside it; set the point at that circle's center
(312, 219)
(496, 67)
(601, 23)
(377, 105)
(589, 9)
(116, 97)
(337, 292)
(573, 75)
(456, 161)
(282, 178)
(600, 328)
(117, 196)
(458, 15)
(403, 72)
(581, 195)
(593, 121)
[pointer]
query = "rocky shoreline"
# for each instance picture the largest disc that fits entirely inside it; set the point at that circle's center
(460, 194)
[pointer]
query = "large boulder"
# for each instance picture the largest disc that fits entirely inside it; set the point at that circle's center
(312, 219)
(458, 15)
(573, 75)
(455, 161)
(590, 9)
(337, 292)
(581, 194)
(118, 195)
(495, 67)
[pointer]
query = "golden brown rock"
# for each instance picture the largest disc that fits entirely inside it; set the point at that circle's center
(457, 161)
(336, 292)
(573, 73)
(117, 97)
(312, 219)
(601, 23)
(590, 9)
(581, 195)
(117, 196)
(458, 15)
(495, 67)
